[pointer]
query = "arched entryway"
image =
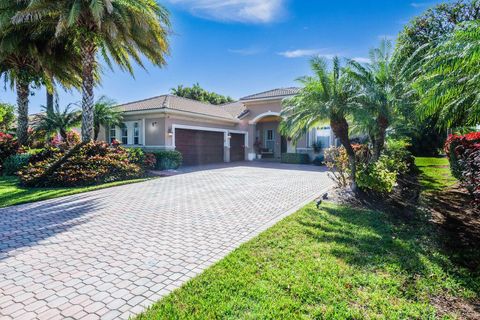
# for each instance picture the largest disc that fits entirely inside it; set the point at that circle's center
(266, 132)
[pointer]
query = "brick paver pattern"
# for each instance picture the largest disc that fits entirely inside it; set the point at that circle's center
(111, 253)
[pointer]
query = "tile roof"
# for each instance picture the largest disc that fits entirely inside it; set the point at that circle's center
(177, 103)
(280, 92)
(234, 108)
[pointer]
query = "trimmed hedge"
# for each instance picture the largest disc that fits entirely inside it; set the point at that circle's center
(295, 158)
(167, 160)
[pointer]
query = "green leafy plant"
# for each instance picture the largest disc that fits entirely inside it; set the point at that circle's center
(167, 160)
(295, 158)
(14, 163)
(377, 176)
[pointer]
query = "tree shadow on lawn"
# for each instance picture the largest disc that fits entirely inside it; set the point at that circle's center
(376, 242)
(26, 225)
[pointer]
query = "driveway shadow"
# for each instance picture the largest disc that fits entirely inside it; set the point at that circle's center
(26, 225)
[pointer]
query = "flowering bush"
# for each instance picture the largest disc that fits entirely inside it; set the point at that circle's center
(150, 161)
(84, 164)
(464, 155)
(8, 146)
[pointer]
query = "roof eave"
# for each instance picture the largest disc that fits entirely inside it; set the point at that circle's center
(181, 113)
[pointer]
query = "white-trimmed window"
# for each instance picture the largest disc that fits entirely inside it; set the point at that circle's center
(124, 134)
(136, 133)
(113, 133)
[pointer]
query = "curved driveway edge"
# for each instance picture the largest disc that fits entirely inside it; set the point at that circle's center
(110, 253)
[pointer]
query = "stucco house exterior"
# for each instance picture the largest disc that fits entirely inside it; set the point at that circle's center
(206, 133)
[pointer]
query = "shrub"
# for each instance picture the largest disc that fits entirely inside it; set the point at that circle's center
(295, 158)
(167, 160)
(464, 155)
(399, 151)
(14, 163)
(85, 164)
(8, 146)
(377, 176)
(319, 160)
(150, 161)
(136, 155)
(336, 159)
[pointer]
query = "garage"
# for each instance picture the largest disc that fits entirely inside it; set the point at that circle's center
(237, 147)
(199, 147)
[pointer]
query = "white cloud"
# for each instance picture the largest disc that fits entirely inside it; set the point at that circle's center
(361, 59)
(299, 53)
(245, 11)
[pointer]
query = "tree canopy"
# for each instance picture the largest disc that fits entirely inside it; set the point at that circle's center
(7, 116)
(196, 92)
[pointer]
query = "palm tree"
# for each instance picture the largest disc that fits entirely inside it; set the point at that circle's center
(105, 115)
(30, 55)
(449, 83)
(326, 96)
(58, 121)
(117, 30)
(380, 93)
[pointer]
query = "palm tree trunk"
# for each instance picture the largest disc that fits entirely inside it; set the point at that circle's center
(88, 65)
(96, 131)
(49, 101)
(379, 141)
(340, 129)
(23, 91)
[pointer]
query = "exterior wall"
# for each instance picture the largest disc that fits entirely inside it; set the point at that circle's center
(157, 129)
(259, 107)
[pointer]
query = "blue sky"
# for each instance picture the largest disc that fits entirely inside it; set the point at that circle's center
(239, 47)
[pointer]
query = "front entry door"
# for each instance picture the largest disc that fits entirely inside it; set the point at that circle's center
(270, 140)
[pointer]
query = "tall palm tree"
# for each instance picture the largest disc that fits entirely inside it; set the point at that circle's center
(450, 79)
(30, 55)
(326, 96)
(58, 121)
(105, 115)
(117, 30)
(380, 94)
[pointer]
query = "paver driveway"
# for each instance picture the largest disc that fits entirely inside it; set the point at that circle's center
(110, 253)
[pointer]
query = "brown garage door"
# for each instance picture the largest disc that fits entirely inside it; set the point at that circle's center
(199, 147)
(237, 147)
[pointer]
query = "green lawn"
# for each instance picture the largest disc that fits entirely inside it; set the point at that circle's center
(11, 193)
(333, 263)
(435, 173)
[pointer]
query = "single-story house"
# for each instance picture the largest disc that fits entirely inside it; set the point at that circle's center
(206, 133)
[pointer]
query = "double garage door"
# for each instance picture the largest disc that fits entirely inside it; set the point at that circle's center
(203, 147)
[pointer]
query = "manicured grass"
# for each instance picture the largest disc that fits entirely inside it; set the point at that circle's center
(11, 193)
(435, 173)
(332, 263)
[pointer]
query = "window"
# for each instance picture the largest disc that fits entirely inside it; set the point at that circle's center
(124, 135)
(269, 134)
(136, 133)
(113, 133)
